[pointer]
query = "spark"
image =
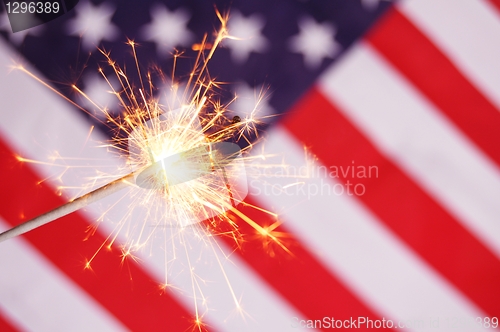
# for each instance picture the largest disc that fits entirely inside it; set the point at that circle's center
(155, 138)
(293, 184)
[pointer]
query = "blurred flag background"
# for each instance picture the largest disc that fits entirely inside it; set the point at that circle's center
(398, 105)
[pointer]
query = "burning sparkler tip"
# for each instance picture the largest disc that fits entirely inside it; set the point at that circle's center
(17, 66)
(87, 266)
(173, 148)
(199, 325)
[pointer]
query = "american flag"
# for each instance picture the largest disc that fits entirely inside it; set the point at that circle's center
(408, 90)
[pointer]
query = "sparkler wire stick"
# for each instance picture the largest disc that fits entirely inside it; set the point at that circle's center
(70, 207)
(183, 167)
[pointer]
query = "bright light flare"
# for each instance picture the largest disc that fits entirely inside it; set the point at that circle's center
(162, 140)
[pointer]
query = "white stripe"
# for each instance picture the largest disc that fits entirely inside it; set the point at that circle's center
(356, 246)
(262, 308)
(38, 297)
(419, 139)
(42, 123)
(467, 32)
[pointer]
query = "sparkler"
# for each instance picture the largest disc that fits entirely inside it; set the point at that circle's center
(173, 170)
(168, 148)
(181, 164)
(67, 208)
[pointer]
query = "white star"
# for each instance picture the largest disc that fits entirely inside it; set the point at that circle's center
(93, 24)
(170, 95)
(371, 4)
(315, 41)
(252, 103)
(98, 90)
(248, 31)
(18, 37)
(168, 29)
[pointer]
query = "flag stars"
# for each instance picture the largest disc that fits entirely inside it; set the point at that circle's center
(167, 29)
(315, 41)
(251, 102)
(248, 36)
(100, 93)
(93, 24)
(171, 95)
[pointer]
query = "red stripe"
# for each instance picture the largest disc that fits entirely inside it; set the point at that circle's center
(299, 277)
(495, 3)
(126, 291)
(399, 202)
(5, 325)
(414, 55)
